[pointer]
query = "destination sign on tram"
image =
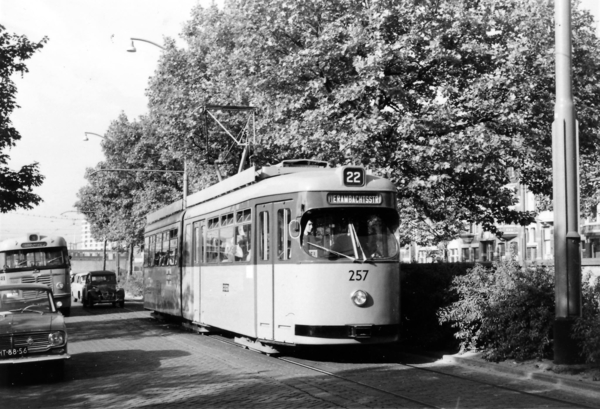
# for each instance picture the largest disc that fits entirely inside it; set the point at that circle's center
(346, 198)
(29, 245)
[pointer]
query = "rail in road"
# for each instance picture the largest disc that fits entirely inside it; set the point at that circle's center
(124, 358)
(330, 365)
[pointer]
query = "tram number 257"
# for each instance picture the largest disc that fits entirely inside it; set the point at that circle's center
(358, 275)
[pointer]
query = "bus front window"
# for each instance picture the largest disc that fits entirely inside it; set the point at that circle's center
(355, 234)
(34, 258)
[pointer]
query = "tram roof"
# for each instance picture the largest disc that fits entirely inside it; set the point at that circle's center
(16, 243)
(287, 177)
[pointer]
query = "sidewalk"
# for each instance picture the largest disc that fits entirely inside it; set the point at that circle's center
(581, 377)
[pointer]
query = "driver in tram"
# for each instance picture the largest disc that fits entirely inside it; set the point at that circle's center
(309, 237)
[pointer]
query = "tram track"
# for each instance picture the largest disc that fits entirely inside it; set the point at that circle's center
(397, 361)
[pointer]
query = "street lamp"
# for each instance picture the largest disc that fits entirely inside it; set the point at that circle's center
(185, 174)
(565, 166)
(133, 50)
(85, 138)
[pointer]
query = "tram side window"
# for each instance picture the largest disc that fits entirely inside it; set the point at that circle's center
(198, 246)
(146, 249)
(263, 245)
(152, 251)
(212, 246)
(243, 251)
(172, 254)
(227, 247)
(162, 240)
(284, 242)
(187, 248)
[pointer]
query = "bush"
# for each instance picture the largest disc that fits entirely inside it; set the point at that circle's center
(424, 289)
(505, 310)
(587, 328)
(133, 284)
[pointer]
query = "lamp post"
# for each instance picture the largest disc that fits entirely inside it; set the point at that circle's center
(185, 175)
(133, 49)
(565, 164)
(85, 138)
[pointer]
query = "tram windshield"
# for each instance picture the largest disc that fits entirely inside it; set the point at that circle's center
(33, 258)
(356, 234)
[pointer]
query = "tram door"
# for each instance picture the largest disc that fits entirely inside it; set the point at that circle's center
(264, 271)
(273, 246)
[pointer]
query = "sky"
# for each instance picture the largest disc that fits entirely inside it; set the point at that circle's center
(80, 82)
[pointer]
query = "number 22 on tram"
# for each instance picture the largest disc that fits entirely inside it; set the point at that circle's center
(293, 254)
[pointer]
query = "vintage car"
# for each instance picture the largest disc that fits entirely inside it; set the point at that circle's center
(100, 287)
(31, 327)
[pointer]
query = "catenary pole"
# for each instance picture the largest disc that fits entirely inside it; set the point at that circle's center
(565, 164)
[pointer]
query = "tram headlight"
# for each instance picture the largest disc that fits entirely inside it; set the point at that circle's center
(59, 286)
(359, 297)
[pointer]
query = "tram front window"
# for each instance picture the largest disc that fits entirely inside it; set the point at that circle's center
(355, 234)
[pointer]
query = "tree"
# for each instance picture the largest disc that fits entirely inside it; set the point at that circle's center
(15, 186)
(447, 98)
(116, 203)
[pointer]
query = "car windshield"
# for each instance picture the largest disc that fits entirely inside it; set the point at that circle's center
(23, 301)
(357, 234)
(25, 259)
(104, 279)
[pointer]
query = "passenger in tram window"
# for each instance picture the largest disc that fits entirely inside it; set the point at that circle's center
(241, 244)
(309, 237)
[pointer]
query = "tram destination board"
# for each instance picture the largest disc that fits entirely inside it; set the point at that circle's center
(354, 198)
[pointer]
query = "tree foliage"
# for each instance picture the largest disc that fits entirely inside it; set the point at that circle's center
(116, 202)
(444, 97)
(15, 186)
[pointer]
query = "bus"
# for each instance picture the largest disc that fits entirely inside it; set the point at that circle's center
(297, 253)
(38, 259)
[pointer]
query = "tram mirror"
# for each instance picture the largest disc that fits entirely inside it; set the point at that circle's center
(294, 229)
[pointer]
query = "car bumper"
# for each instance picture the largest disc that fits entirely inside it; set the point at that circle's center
(34, 358)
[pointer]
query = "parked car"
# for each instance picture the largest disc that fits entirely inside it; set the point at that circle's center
(31, 327)
(101, 287)
(77, 284)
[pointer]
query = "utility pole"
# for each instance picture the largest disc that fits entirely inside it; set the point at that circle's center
(104, 256)
(565, 166)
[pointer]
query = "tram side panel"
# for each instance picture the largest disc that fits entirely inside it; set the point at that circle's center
(162, 290)
(227, 297)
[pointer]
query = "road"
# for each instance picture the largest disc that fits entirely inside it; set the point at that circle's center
(124, 358)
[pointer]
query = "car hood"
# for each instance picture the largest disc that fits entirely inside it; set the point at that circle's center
(30, 322)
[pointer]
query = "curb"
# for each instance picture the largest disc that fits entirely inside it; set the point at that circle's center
(554, 379)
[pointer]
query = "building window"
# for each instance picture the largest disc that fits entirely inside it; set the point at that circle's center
(466, 255)
(502, 251)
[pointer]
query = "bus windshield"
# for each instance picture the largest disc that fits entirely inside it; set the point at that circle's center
(34, 258)
(357, 234)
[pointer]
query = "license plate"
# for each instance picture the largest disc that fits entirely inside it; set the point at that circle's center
(13, 353)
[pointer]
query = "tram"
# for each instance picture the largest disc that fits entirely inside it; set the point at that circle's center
(297, 253)
(38, 259)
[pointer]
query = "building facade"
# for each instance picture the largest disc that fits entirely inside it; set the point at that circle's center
(533, 244)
